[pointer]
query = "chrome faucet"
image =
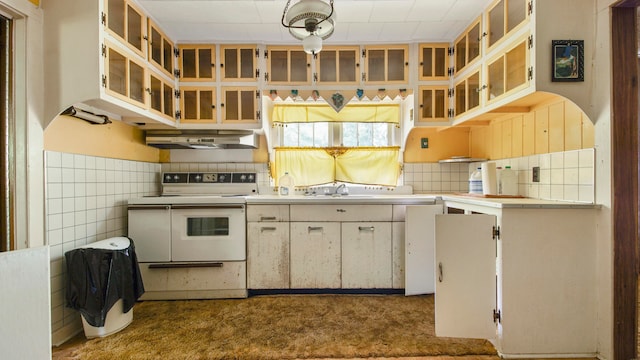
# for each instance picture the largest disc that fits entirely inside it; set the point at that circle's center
(341, 187)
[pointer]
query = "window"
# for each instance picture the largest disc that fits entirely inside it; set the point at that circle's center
(348, 134)
(318, 145)
(7, 241)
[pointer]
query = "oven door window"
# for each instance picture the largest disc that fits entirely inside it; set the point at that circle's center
(207, 226)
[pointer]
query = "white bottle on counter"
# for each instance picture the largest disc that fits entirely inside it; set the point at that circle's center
(285, 184)
(508, 182)
(475, 182)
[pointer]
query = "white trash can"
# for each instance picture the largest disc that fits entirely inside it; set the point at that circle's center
(116, 319)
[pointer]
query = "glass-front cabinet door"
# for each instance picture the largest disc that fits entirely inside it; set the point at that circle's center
(239, 105)
(434, 61)
(197, 62)
(467, 46)
(338, 65)
(128, 23)
(198, 104)
(387, 63)
(433, 102)
(161, 96)
(505, 16)
(124, 77)
(238, 62)
(508, 71)
(467, 93)
(288, 65)
(160, 49)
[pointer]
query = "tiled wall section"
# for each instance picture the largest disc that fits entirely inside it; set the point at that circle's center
(86, 199)
(567, 175)
(261, 169)
(434, 178)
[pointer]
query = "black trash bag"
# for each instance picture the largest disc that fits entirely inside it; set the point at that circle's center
(97, 278)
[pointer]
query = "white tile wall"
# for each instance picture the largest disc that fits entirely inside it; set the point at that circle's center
(430, 178)
(567, 175)
(86, 199)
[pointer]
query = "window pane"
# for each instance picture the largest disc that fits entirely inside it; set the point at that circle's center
(349, 134)
(306, 134)
(365, 134)
(380, 134)
(290, 135)
(321, 134)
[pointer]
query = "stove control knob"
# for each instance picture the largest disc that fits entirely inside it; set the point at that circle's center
(243, 177)
(221, 178)
(198, 178)
(176, 177)
(250, 177)
(167, 178)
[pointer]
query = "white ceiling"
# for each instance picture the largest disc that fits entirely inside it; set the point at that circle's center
(358, 21)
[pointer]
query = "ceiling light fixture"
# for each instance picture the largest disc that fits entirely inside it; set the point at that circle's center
(310, 21)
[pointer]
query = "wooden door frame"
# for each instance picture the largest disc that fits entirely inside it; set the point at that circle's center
(624, 149)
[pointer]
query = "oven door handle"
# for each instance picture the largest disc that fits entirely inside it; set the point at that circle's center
(208, 206)
(148, 207)
(185, 265)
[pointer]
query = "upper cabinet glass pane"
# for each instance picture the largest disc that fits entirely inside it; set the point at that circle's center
(516, 13)
(516, 66)
(440, 61)
(427, 62)
(156, 45)
(189, 63)
(205, 63)
(328, 66)
(134, 28)
(167, 56)
(230, 63)
(375, 65)
(116, 17)
(396, 65)
(299, 67)
(279, 60)
(168, 100)
(461, 53)
(246, 63)
(473, 39)
(347, 64)
(496, 23)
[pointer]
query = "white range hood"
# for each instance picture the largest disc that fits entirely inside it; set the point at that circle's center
(202, 139)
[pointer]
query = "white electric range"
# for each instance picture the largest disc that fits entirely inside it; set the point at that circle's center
(191, 240)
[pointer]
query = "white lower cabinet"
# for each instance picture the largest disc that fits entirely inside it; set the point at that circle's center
(530, 288)
(366, 255)
(268, 246)
(268, 255)
(315, 255)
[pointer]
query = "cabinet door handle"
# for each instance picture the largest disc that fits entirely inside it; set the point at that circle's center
(267, 218)
(366, 228)
(265, 228)
(314, 228)
(440, 274)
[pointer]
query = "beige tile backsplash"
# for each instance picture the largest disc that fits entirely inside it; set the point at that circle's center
(567, 175)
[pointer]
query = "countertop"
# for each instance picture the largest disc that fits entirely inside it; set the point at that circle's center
(511, 202)
(416, 199)
(364, 199)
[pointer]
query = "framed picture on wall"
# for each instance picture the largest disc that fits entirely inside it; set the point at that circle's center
(567, 58)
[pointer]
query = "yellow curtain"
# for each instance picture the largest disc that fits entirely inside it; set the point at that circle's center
(307, 166)
(302, 113)
(374, 166)
(311, 166)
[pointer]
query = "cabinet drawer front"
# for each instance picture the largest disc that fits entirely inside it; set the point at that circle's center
(339, 212)
(267, 213)
(230, 275)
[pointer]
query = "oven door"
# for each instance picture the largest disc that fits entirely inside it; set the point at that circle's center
(208, 232)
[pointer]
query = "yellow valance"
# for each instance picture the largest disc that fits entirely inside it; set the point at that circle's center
(304, 113)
